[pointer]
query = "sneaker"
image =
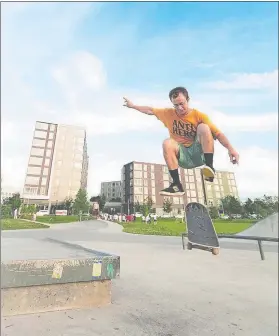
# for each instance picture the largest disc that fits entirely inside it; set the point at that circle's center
(208, 173)
(173, 190)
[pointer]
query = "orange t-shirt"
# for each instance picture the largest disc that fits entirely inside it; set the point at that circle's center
(184, 129)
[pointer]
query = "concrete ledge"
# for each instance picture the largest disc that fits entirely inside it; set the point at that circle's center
(80, 278)
(38, 299)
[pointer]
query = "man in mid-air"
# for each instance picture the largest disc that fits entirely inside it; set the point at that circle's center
(191, 141)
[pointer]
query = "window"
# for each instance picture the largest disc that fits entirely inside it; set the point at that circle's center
(191, 179)
(152, 168)
(138, 182)
(47, 162)
(232, 176)
(138, 190)
(188, 193)
(200, 194)
(42, 191)
(145, 167)
(41, 125)
(45, 172)
(36, 161)
(78, 165)
(145, 175)
(51, 135)
(152, 183)
(138, 198)
(153, 192)
(137, 166)
(152, 176)
(192, 186)
(186, 178)
(49, 144)
(52, 127)
(32, 179)
(190, 172)
(208, 187)
(181, 200)
(166, 177)
(193, 193)
(78, 157)
(217, 188)
(48, 152)
(138, 174)
(37, 151)
(39, 142)
(145, 183)
(40, 134)
(166, 184)
(165, 169)
(175, 200)
(34, 170)
(145, 190)
(44, 181)
(31, 190)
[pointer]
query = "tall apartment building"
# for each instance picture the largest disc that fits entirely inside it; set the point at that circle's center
(58, 163)
(142, 179)
(111, 189)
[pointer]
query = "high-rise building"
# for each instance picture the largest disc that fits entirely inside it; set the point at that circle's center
(58, 163)
(111, 189)
(141, 180)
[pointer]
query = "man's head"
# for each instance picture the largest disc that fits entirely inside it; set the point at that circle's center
(179, 97)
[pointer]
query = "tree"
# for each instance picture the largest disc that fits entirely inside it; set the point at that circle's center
(146, 207)
(137, 206)
(213, 211)
(81, 203)
(68, 204)
(167, 205)
(231, 205)
(249, 207)
(14, 201)
(100, 199)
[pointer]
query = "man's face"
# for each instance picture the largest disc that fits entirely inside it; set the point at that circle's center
(180, 104)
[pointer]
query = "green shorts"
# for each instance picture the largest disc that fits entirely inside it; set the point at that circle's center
(191, 157)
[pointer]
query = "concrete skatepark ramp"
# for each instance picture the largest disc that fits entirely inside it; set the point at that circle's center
(63, 276)
(267, 227)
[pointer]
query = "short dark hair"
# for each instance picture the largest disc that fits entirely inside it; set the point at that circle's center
(175, 92)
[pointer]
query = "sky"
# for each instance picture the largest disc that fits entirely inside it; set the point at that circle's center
(72, 63)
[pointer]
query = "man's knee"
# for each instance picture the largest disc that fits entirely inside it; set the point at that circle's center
(170, 145)
(203, 130)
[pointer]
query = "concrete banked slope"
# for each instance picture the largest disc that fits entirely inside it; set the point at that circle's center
(267, 227)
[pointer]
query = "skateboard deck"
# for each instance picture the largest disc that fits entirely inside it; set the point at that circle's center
(201, 232)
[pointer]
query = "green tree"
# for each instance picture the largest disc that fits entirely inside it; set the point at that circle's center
(167, 205)
(14, 201)
(146, 207)
(81, 203)
(213, 212)
(249, 207)
(137, 206)
(231, 205)
(68, 202)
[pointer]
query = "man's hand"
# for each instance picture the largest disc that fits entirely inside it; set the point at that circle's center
(128, 103)
(234, 156)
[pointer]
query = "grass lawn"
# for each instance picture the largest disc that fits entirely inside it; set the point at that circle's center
(168, 227)
(17, 224)
(57, 219)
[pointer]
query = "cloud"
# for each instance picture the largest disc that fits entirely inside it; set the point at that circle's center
(248, 81)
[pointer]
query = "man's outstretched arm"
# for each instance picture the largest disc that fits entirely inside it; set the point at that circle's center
(142, 109)
(234, 156)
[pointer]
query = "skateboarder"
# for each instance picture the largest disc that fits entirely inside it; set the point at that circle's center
(191, 141)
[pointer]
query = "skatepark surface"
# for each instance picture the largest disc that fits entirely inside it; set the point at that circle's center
(162, 290)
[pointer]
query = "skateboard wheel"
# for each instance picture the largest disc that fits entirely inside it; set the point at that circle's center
(215, 251)
(189, 246)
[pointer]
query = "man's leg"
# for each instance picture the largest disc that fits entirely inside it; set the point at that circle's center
(171, 155)
(206, 141)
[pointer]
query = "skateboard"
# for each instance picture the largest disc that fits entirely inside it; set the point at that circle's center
(201, 232)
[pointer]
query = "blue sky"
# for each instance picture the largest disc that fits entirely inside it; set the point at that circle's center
(73, 62)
